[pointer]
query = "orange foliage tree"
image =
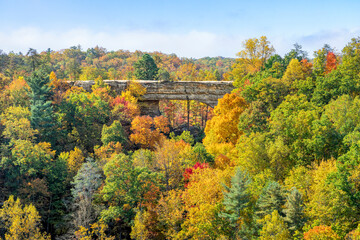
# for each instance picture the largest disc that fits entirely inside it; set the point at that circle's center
(331, 62)
(148, 131)
(321, 233)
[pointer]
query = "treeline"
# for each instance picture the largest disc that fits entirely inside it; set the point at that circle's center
(279, 159)
(75, 64)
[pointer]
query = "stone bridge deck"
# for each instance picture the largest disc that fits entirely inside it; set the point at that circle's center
(207, 92)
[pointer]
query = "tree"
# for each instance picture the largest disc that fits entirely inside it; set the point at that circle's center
(331, 62)
(113, 133)
(329, 204)
(296, 52)
(42, 114)
(274, 228)
(170, 210)
(256, 52)
(95, 231)
(203, 204)
(126, 188)
(320, 60)
(171, 161)
(21, 222)
(17, 124)
(83, 116)
(145, 68)
(222, 128)
(34, 58)
(251, 60)
(271, 199)
(237, 199)
(321, 232)
(85, 184)
(294, 211)
(148, 131)
(296, 71)
(74, 161)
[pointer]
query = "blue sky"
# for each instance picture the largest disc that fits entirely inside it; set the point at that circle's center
(186, 28)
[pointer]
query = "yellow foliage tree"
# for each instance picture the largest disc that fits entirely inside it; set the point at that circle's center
(21, 222)
(17, 123)
(96, 231)
(328, 205)
(203, 203)
(222, 130)
(139, 230)
(75, 160)
(274, 228)
(296, 71)
(170, 210)
(171, 160)
(251, 59)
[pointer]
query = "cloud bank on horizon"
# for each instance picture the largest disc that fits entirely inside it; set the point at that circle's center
(194, 43)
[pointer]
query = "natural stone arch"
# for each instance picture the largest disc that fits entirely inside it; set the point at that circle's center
(207, 92)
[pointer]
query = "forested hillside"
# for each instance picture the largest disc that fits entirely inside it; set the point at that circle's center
(278, 158)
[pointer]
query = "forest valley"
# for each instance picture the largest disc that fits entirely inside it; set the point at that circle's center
(278, 158)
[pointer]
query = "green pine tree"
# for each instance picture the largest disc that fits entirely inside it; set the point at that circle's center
(236, 197)
(236, 202)
(42, 114)
(294, 210)
(272, 198)
(145, 68)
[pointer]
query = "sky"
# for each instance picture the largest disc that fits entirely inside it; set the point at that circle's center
(187, 28)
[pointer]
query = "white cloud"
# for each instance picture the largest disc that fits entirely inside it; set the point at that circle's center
(191, 44)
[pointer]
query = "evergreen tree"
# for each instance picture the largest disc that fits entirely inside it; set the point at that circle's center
(145, 68)
(34, 58)
(271, 199)
(42, 114)
(236, 197)
(236, 201)
(294, 210)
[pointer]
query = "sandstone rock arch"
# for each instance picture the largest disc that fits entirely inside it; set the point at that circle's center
(207, 92)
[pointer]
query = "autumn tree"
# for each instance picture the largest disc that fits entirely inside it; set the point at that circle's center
(255, 54)
(251, 59)
(171, 160)
(148, 131)
(222, 131)
(21, 221)
(321, 232)
(170, 210)
(331, 62)
(320, 60)
(203, 203)
(274, 228)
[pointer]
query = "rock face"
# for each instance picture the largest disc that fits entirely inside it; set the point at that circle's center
(207, 92)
